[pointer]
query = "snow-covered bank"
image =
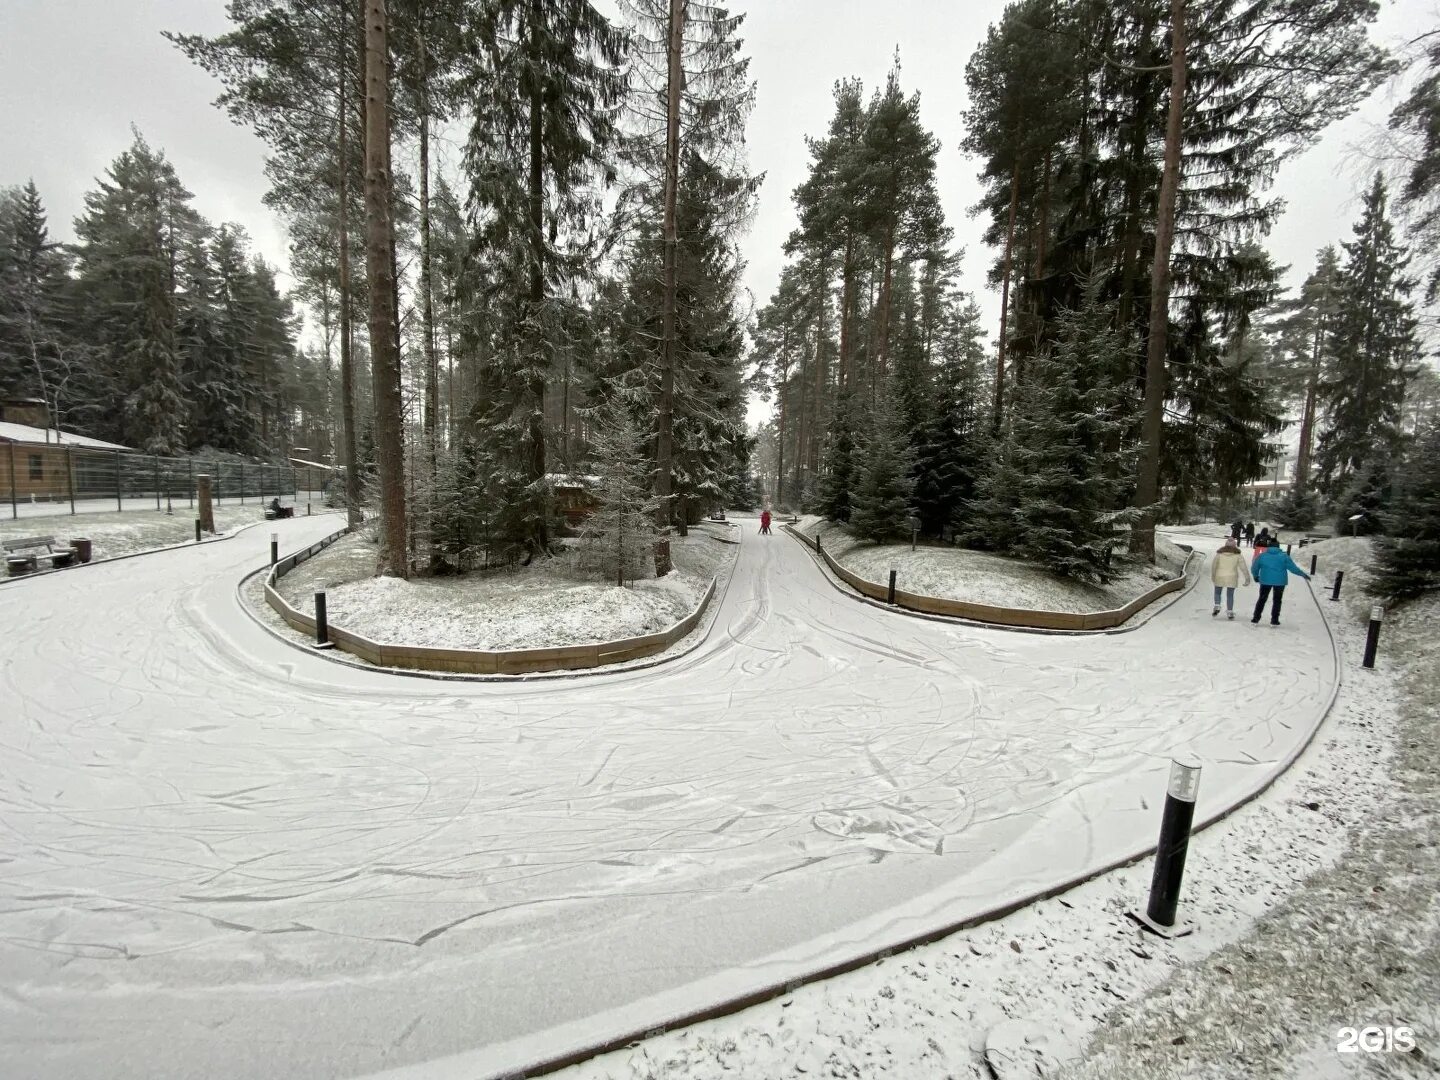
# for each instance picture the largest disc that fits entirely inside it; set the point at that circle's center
(979, 577)
(540, 606)
(1315, 908)
(131, 531)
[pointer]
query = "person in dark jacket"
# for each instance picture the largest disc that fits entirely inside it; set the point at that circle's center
(1236, 528)
(1272, 569)
(1250, 533)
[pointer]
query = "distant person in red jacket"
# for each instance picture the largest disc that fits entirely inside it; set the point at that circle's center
(765, 522)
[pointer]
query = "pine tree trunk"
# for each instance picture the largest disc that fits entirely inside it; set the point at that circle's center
(882, 335)
(1152, 421)
(802, 384)
(379, 252)
(1005, 297)
(347, 337)
(820, 376)
(847, 306)
(427, 292)
(664, 440)
(536, 388)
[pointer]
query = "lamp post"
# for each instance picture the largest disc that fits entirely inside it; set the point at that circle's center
(1175, 821)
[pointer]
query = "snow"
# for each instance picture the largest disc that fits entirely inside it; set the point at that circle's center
(226, 857)
(119, 533)
(979, 577)
(541, 606)
(1314, 907)
(26, 433)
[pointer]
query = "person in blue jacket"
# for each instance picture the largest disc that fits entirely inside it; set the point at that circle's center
(1272, 569)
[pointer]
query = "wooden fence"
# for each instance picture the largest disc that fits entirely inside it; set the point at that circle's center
(1031, 618)
(473, 661)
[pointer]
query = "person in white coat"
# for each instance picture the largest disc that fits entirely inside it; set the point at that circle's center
(1226, 570)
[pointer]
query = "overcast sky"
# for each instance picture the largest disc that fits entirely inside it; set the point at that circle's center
(76, 74)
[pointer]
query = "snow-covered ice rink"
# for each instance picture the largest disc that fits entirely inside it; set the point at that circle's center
(222, 857)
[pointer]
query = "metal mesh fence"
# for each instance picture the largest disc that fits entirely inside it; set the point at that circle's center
(38, 479)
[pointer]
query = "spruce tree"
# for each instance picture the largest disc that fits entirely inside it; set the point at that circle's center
(881, 503)
(543, 82)
(34, 338)
(1373, 341)
(950, 451)
(1408, 556)
(617, 543)
(1062, 474)
(132, 236)
(840, 471)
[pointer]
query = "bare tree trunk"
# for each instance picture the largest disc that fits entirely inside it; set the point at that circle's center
(1005, 297)
(1152, 422)
(347, 337)
(664, 440)
(384, 341)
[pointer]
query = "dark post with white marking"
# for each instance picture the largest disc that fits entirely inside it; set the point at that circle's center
(817, 543)
(890, 597)
(1314, 560)
(1339, 577)
(322, 623)
(274, 548)
(1288, 547)
(197, 530)
(1372, 636)
(1174, 843)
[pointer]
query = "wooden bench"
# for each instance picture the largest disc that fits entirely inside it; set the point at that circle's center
(22, 558)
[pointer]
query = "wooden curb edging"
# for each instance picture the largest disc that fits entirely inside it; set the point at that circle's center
(473, 661)
(1031, 619)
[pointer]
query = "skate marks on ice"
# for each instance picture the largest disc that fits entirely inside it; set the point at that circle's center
(234, 822)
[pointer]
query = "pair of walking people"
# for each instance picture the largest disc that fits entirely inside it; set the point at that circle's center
(1271, 567)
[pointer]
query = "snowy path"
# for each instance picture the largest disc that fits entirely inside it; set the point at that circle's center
(220, 857)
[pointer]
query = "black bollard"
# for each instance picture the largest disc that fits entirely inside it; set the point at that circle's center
(1287, 548)
(197, 530)
(817, 544)
(1372, 636)
(1170, 853)
(890, 598)
(307, 509)
(322, 623)
(1339, 577)
(1313, 560)
(274, 548)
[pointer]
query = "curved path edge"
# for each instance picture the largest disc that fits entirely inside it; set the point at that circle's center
(187, 546)
(1139, 619)
(724, 994)
(686, 645)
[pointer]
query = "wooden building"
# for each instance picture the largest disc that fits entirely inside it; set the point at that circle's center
(42, 463)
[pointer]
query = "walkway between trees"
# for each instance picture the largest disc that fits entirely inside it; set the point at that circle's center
(220, 856)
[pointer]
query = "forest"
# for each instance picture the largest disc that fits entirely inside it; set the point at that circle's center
(567, 301)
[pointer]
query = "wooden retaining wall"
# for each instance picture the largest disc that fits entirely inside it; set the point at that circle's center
(474, 661)
(1032, 618)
